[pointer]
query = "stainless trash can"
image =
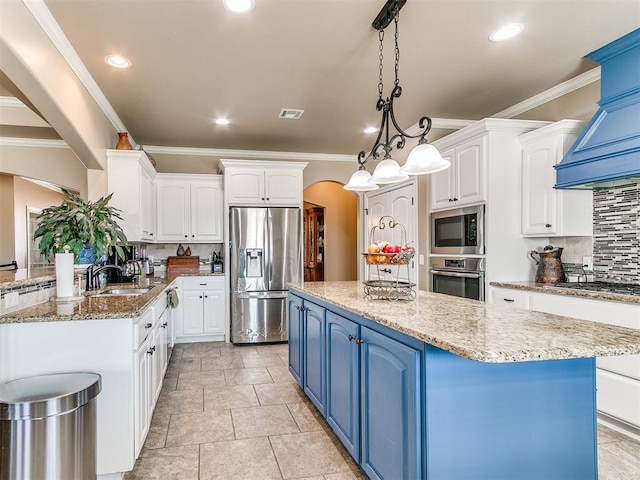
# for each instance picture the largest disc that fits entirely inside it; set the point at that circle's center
(48, 427)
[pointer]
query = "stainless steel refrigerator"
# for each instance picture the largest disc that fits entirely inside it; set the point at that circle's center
(265, 255)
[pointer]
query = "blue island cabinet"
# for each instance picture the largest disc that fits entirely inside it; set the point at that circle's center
(367, 385)
(294, 309)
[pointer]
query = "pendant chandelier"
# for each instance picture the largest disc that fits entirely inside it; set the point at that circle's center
(424, 158)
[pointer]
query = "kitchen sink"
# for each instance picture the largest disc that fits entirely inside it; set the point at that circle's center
(120, 292)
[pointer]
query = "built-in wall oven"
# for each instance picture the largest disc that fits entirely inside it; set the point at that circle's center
(458, 231)
(460, 277)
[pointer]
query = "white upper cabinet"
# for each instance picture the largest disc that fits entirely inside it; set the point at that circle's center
(190, 208)
(258, 183)
(464, 182)
(131, 179)
(547, 212)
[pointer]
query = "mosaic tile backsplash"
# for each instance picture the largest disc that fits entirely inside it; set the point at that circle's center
(616, 233)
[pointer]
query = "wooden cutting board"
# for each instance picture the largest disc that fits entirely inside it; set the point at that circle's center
(182, 266)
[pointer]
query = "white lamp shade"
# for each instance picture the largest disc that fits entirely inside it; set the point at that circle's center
(360, 181)
(423, 159)
(388, 171)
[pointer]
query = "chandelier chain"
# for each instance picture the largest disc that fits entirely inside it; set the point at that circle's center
(381, 67)
(397, 50)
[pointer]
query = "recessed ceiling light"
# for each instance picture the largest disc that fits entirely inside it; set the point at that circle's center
(117, 61)
(506, 31)
(370, 130)
(238, 6)
(222, 121)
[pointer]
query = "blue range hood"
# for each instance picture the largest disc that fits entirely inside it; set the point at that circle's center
(608, 150)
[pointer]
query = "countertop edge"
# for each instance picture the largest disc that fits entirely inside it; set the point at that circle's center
(551, 289)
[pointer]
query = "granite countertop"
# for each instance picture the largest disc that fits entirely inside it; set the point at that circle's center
(555, 290)
(479, 331)
(24, 277)
(91, 307)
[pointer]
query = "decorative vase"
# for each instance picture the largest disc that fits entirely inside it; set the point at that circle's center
(187, 252)
(180, 251)
(87, 255)
(123, 142)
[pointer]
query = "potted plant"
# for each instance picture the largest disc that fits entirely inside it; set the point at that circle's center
(89, 229)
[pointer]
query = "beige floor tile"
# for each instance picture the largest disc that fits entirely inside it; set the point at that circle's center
(230, 350)
(221, 363)
(270, 360)
(177, 463)
(274, 349)
(613, 467)
(307, 454)
(306, 418)
(157, 436)
(176, 353)
(201, 350)
(247, 376)
(606, 435)
(284, 357)
(230, 397)
(202, 427)
(194, 380)
(251, 422)
(627, 449)
(170, 380)
(250, 459)
(281, 374)
(179, 401)
(185, 365)
(277, 393)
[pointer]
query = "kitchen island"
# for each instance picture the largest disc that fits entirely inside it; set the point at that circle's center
(450, 388)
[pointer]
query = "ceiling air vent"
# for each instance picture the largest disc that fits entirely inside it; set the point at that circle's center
(290, 114)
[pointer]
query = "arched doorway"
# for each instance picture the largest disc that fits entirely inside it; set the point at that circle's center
(340, 229)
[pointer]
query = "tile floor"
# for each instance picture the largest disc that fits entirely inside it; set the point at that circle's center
(228, 412)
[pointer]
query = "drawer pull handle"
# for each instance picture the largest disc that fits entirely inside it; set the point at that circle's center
(148, 325)
(203, 284)
(509, 300)
(164, 325)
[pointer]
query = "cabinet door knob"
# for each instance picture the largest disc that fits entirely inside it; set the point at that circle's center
(148, 325)
(451, 199)
(151, 234)
(548, 225)
(455, 199)
(351, 337)
(262, 198)
(200, 296)
(164, 325)
(149, 352)
(206, 296)
(192, 236)
(359, 341)
(186, 236)
(268, 198)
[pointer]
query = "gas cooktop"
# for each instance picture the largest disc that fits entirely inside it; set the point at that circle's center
(606, 287)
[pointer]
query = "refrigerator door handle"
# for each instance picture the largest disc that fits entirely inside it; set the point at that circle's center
(261, 295)
(269, 245)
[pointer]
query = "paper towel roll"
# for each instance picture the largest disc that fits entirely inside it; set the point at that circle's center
(64, 274)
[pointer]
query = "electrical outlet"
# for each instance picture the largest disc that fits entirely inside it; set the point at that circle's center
(11, 300)
(421, 259)
(587, 264)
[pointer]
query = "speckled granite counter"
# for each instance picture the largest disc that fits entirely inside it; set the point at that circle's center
(478, 331)
(23, 277)
(90, 307)
(552, 289)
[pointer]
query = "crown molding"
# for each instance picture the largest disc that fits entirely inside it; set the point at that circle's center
(249, 154)
(49, 25)
(558, 91)
(11, 102)
(32, 142)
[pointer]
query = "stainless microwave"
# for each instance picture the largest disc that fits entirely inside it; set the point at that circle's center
(459, 231)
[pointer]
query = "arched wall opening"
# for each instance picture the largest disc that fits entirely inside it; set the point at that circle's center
(340, 228)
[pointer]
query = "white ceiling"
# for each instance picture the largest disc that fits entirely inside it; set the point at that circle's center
(193, 61)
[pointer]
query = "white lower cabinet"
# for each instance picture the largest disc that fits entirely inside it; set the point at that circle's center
(617, 378)
(150, 362)
(203, 315)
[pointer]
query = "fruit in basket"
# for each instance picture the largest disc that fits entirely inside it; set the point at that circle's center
(391, 249)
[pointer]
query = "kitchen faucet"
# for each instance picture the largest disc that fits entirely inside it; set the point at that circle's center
(93, 281)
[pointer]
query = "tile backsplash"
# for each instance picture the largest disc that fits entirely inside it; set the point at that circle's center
(616, 233)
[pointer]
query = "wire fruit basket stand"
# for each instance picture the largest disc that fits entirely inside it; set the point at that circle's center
(390, 262)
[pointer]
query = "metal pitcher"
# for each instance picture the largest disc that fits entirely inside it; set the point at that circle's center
(549, 265)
